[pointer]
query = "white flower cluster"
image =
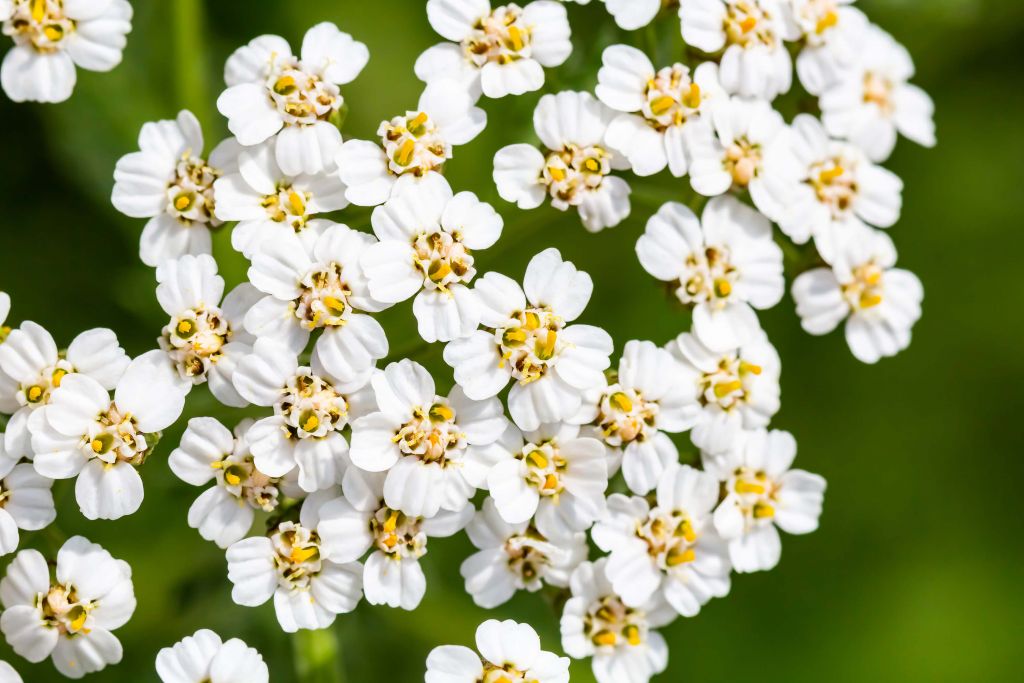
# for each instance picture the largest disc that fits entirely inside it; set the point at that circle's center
(358, 458)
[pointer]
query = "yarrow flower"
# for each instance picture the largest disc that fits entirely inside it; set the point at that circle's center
(497, 52)
(204, 658)
(575, 167)
(632, 14)
(271, 92)
(169, 182)
(833, 33)
(508, 652)
(53, 37)
(527, 339)
(8, 674)
(25, 503)
(70, 616)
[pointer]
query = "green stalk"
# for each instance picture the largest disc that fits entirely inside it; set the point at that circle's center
(318, 657)
(191, 86)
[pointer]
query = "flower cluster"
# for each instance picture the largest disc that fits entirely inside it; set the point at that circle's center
(543, 446)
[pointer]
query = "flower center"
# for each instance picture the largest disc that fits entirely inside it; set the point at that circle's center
(39, 23)
(709, 278)
(194, 341)
(296, 555)
(671, 97)
(625, 416)
(728, 387)
(311, 406)
(288, 205)
(301, 97)
(38, 393)
(748, 25)
(835, 184)
(865, 290)
(574, 170)
(114, 437)
(190, 194)
(529, 344)
(609, 624)
(398, 535)
(506, 673)
(670, 537)
(413, 144)
(743, 161)
(878, 91)
(431, 435)
(502, 37)
(324, 299)
(757, 494)
(815, 18)
(545, 468)
(528, 555)
(62, 610)
(443, 259)
(239, 476)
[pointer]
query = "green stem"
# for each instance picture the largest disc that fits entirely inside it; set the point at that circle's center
(191, 86)
(318, 657)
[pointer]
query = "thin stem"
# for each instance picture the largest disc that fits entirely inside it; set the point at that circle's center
(190, 73)
(318, 657)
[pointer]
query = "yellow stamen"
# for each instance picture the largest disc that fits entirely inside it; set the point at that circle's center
(828, 175)
(686, 531)
(605, 638)
(692, 98)
(725, 388)
(830, 19)
(185, 328)
(592, 165)
(748, 24)
(232, 478)
(557, 174)
(546, 350)
(311, 423)
(632, 634)
(516, 38)
(34, 393)
(723, 288)
(334, 305)
(441, 413)
(532, 321)
(513, 337)
(405, 152)
(391, 523)
(550, 482)
(38, 9)
(538, 459)
(183, 202)
(300, 555)
(621, 402)
(678, 557)
(96, 445)
(79, 621)
(869, 300)
(763, 511)
(438, 271)
(749, 368)
(285, 85)
(53, 32)
(749, 487)
(662, 105)
(297, 203)
(58, 376)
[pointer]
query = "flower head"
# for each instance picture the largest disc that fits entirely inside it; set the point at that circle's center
(204, 658)
(508, 652)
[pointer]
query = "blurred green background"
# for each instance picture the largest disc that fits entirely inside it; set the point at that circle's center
(915, 574)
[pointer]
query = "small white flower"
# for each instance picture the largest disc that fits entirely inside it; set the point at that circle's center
(527, 338)
(671, 548)
(658, 105)
(873, 101)
(632, 14)
(726, 264)
(430, 446)
(411, 146)
(266, 201)
(879, 302)
(311, 407)
(552, 475)
(224, 512)
(575, 167)
(833, 34)
(273, 92)
(735, 389)
(8, 674)
(648, 397)
(736, 148)
(755, 62)
(763, 495)
(32, 368)
(169, 182)
(83, 433)
(25, 503)
(427, 239)
(204, 658)
(497, 52)
(514, 557)
(288, 565)
(509, 653)
(69, 617)
(52, 37)
(205, 337)
(622, 640)
(318, 284)
(362, 521)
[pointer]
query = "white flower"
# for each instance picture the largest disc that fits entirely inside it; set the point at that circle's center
(427, 239)
(430, 446)
(361, 521)
(83, 433)
(879, 302)
(514, 557)
(288, 565)
(725, 265)
(52, 37)
(755, 62)
(312, 284)
(33, 368)
(736, 389)
(8, 674)
(205, 337)
(224, 512)
(497, 52)
(169, 182)
(551, 475)
(411, 146)
(649, 396)
(69, 617)
(25, 503)
(574, 169)
(833, 34)
(763, 495)
(658, 104)
(672, 548)
(736, 148)
(527, 339)
(204, 658)
(509, 653)
(311, 407)
(273, 92)
(632, 14)
(872, 101)
(622, 640)
(266, 201)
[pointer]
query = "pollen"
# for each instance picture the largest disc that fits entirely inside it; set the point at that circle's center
(537, 459)
(53, 32)
(632, 634)
(546, 349)
(515, 38)
(300, 555)
(748, 24)
(605, 638)
(828, 175)
(662, 105)
(285, 85)
(763, 511)
(441, 413)
(621, 402)
(723, 288)
(723, 389)
(830, 19)
(58, 376)
(749, 487)
(692, 98)
(557, 174)
(869, 300)
(297, 202)
(403, 157)
(34, 393)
